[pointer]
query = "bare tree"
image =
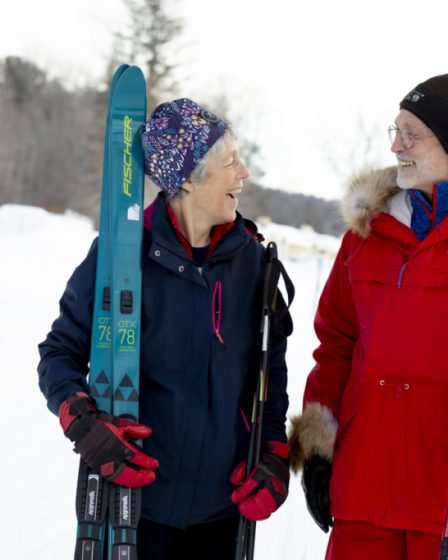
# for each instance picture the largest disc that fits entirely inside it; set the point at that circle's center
(350, 155)
(241, 118)
(152, 40)
(50, 140)
(150, 43)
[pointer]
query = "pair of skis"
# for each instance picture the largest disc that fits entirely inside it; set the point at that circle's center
(108, 514)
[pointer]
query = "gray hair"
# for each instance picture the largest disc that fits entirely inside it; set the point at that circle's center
(200, 171)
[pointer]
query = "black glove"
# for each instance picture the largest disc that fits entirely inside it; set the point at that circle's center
(316, 484)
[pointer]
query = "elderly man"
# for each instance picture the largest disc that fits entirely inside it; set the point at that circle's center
(373, 435)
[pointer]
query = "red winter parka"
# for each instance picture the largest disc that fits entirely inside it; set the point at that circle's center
(381, 377)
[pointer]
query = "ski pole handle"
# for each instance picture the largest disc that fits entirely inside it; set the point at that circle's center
(271, 278)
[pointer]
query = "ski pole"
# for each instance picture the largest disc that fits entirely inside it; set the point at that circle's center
(246, 528)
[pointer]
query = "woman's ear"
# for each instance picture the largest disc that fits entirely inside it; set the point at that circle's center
(188, 185)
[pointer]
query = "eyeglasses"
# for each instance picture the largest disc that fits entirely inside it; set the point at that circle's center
(407, 137)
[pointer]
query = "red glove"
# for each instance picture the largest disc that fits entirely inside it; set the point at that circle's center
(266, 488)
(103, 442)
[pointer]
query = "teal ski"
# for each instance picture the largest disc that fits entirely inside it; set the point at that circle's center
(114, 358)
(92, 491)
(126, 167)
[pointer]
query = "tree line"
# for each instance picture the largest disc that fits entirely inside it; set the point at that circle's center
(51, 149)
(51, 135)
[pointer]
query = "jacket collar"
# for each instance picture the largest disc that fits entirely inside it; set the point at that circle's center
(161, 221)
(428, 215)
(374, 202)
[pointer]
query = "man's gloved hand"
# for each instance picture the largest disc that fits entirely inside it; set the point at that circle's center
(316, 484)
(266, 488)
(103, 442)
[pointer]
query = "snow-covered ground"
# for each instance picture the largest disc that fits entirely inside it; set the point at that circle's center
(38, 252)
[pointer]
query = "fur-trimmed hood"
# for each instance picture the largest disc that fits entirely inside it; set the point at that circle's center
(368, 194)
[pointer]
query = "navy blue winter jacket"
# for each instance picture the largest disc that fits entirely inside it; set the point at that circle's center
(193, 387)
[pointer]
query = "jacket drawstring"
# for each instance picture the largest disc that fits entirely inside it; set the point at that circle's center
(400, 275)
(217, 310)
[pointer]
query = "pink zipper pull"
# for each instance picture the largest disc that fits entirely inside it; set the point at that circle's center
(216, 315)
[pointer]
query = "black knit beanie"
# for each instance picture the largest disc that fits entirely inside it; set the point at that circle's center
(429, 102)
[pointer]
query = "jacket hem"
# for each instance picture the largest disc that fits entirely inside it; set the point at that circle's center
(391, 521)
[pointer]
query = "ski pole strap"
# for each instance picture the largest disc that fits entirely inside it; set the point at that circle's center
(282, 322)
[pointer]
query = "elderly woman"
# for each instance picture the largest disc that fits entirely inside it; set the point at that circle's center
(201, 306)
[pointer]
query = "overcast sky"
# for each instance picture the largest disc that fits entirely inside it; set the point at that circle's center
(301, 75)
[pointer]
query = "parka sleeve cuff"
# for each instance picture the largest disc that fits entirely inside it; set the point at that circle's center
(312, 433)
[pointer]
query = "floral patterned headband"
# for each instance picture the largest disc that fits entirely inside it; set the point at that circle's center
(175, 138)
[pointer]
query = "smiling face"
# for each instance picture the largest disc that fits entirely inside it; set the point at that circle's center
(423, 164)
(216, 196)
